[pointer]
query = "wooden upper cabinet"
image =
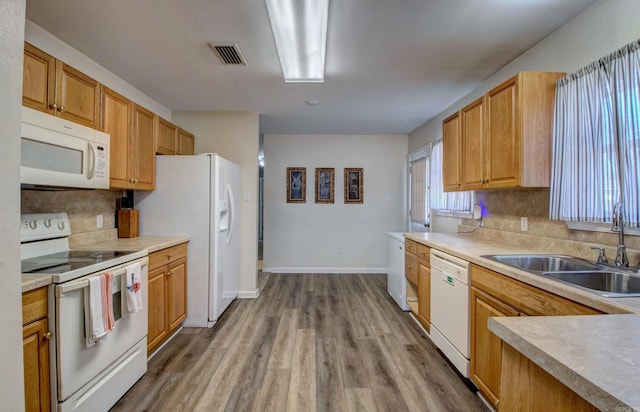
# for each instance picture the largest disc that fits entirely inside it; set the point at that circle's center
(166, 137)
(117, 114)
(473, 145)
(38, 80)
(54, 87)
(451, 153)
(77, 96)
(143, 161)
(506, 134)
(186, 142)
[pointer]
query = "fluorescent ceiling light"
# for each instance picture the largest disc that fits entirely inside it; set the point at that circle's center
(300, 31)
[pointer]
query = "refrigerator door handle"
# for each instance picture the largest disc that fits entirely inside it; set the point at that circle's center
(231, 213)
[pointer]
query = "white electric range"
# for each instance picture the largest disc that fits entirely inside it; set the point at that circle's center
(85, 378)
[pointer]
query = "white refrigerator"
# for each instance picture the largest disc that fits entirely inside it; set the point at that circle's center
(196, 196)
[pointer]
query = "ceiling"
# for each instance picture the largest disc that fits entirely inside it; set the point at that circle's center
(391, 65)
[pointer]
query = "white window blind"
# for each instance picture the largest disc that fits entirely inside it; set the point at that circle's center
(419, 212)
(452, 202)
(596, 141)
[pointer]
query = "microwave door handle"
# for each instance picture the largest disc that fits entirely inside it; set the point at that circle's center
(92, 161)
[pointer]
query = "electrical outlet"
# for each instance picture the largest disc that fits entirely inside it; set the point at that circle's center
(99, 221)
(524, 224)
(339, 250)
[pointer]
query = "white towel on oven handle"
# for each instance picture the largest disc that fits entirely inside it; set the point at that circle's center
(133, 287)
(99, 318)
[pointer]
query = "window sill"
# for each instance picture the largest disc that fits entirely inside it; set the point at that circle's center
(599, 227)
(459, 215)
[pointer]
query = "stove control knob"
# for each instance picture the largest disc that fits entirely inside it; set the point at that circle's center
(47, 223)
(33, 224)
(61, 225)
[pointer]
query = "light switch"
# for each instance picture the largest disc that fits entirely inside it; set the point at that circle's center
(246, 196)
(387, 197)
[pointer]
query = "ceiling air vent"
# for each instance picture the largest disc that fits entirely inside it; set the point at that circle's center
(228, 53)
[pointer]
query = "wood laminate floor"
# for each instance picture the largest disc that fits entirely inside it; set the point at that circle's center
(309, 342)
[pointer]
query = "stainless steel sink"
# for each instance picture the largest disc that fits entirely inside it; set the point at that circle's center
(605, 282)
(600, 279)
(544, 263)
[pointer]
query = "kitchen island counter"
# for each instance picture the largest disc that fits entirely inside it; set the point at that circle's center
(595, 356)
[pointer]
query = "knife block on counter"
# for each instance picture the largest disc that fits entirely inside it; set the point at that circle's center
(127, 223)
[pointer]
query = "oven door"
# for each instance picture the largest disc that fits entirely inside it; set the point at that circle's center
(77, 364)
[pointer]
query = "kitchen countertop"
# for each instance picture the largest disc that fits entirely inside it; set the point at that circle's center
(150, 243)
(470, 249)
(561, 344)
(597, 356)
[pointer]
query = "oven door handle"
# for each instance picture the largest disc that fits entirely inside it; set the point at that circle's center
(84, 283)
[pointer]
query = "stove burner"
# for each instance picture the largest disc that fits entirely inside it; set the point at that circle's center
(70, 260)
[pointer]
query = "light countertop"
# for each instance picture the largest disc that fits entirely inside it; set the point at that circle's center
(470, 249)
(150, 243)
(596, 356)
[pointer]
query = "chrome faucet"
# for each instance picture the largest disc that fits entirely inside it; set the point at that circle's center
(618, 226)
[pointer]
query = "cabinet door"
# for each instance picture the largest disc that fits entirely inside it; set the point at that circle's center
(35, 346)
(157, 329)
(485, 346)
(473, 149)
(143, 161)
(451, 153)
(166, 133)
(424, 294)
(116, 117)
(38, 80)
(411, 267)
(177, 293)
(503, 136)
(186, 142)
(77, 96)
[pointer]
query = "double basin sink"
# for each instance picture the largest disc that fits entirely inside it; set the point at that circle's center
(596, 278)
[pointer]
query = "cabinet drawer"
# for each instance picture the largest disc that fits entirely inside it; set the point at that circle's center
(168, 255)
(34, 305)
(410, 246)
(529, 299)
(411, 268)
(424, 253)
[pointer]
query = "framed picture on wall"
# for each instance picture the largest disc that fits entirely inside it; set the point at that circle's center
(353, 185)
(296, 184)
(324, 184)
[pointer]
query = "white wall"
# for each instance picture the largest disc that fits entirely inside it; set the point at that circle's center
(12, 14)
(235, 136)
(304, 238)
(601, 29)
(48, 43)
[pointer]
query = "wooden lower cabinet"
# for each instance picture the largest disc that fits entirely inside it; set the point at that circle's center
(167, 294)
(529, 388)
(485, 346)
(418, 275)
(494, 295)
(424, 294)
(35, 346)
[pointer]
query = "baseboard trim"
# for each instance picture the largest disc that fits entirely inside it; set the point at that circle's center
(248, 294)
(324, 270)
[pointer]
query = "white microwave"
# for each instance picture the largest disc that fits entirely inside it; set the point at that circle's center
(58, 153)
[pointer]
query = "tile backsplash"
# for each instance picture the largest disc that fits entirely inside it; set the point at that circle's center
(505, 207)
(82, 206)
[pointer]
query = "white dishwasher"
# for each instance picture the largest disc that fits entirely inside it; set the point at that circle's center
(450, 308)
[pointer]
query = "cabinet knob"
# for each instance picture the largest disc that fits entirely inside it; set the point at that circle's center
(53, 106)
(61, 109)
(170, 272)
(48, 335)
(169, 256)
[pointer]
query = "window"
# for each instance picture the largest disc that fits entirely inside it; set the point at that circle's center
(419, 191)
(455, 204)
(596, 141)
